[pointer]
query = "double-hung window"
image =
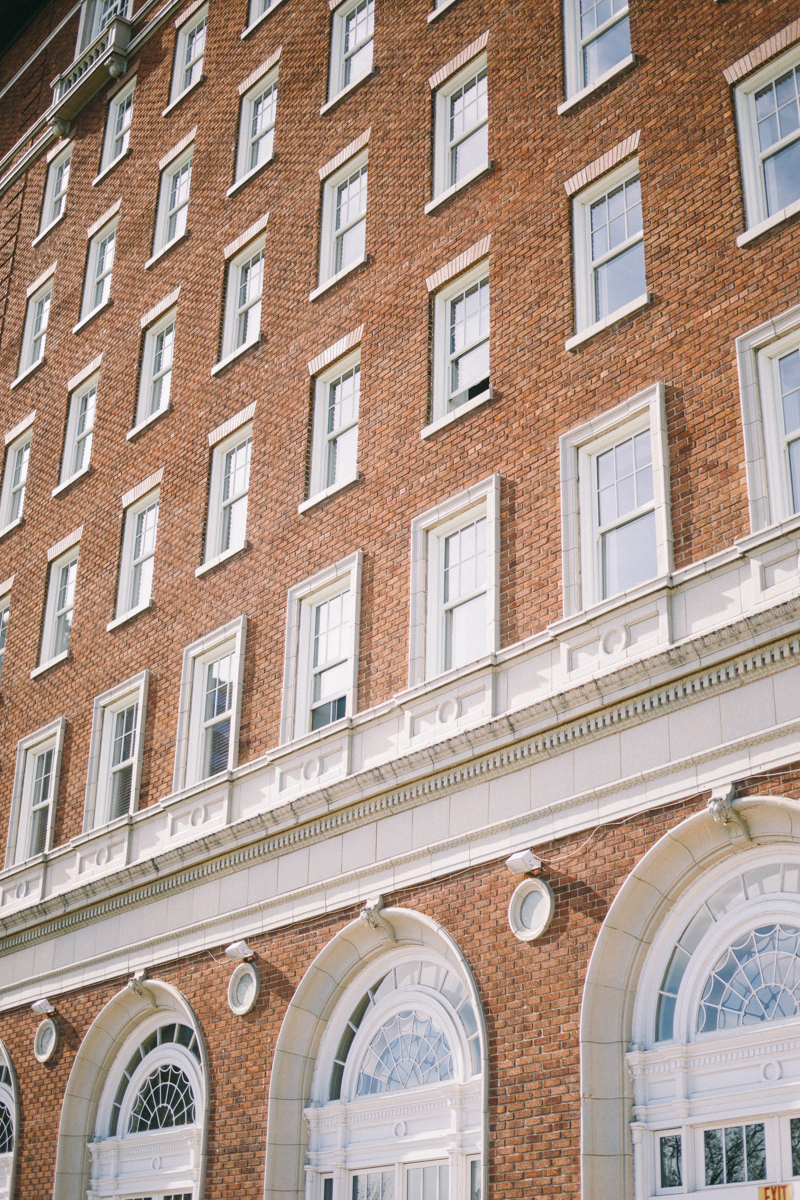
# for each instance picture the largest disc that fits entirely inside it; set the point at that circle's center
(80, 431)
(138, 552)
(37, 318)
(35, 791)
(344, 219)
(228, 492)
(598, 41)
(155, 385)
(5, 613)
(118, 126)
(243, 298)
(99, 269)
(115, 754)
(609, 249)
(461, 147)
(321, 663)
(173, 200)
(768, 111)
(257, 124)
(351, 44)
(454, 582)
(55, 191)
(15, 479)
(189, 53)
(615, 502)
(461, 320)
(208, 722)
(59, 607)
(335, 435)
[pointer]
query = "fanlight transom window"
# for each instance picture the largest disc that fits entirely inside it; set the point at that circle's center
(6, 1117)
(756, 979)
(408, 1051)
(165, 1097)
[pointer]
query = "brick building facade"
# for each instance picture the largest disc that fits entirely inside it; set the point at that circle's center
(399, 544)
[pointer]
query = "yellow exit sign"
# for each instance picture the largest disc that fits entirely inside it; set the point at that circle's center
(776, 1191)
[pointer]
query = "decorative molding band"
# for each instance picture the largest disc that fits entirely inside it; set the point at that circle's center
(6, 585)
(460, 60)
(600, 165)
(104, 219)
(259, 72)
(348, 342)
(20, 427)
(78, 379)
(768, 49)
(238, 243)
(241, 418)
(177, 149)
(349, 152)
(66, 542)
(556, 740)
(457, 265)
(188, 12)
(142, 488)
(162, 306)
(43, 278)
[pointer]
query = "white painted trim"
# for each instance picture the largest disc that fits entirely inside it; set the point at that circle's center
(128, 616)
(457, 187)
(313, 501)
(48, 735)
(205, 567)
(612, 319)
(601, 81)
(456, 413)
(246, 32)
(334, 279)
(136, 686)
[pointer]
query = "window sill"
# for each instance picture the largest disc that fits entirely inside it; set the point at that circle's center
(52, 225)
(456, 187)
(174, 103)
(90, 316)
(165, 249)
(229, 358)
(312, 501)
(50, 663)
(128, 616)
(140, 428)
(437, 12)
(246, 32)
(62, 487)
(240, 183)
(28, 371)
(334, 279)
(351, 87)
(606, 323)
(461, 411)
(8, 528)
(220, 558)
(777, 218)
(107, 170)
(601, 81)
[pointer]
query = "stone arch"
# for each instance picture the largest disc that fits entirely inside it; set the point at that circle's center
(654, 886)
(315, 1001)
(95, 1058)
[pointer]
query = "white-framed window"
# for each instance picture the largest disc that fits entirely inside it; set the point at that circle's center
(173, 201)
(351, 44)
(259, 9)
(37, 318)
(461, 329)
(616, 529)
(118, 125)
(455, 589)
(243, 296)
(59, 608)
(597, 41)
(5, 614)
(138, 555)
(55, 190)
(80, 431)
(8, 1122)
(99, 269)
(189, 51)
(226, 528)
(257, 124)
(155, 381)
(115, 752)
(335, 434)
(609, 248)
(33, 801)
(461, 138)
(768, 112)
(320, 678)
(210, 703)
(344, 219)
(15, 479)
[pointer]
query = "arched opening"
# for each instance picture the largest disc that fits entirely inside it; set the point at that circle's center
(9, 1118)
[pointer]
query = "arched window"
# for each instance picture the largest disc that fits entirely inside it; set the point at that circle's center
(397, 1112)
(8, 1122)
(716, 1076)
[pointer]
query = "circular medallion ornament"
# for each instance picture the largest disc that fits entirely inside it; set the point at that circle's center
(243, 989)
(45, 1040)
(530, 909)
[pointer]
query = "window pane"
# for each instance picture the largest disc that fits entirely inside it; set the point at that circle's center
(466, 632)
(794, 1128)
(756, 1152)
(331, 621)
(468, 106)
(670, 1154)
(782, 177)
(712, 1139)
(595, 13)
(342, 457)
(734, 1155)
(351, 245)
(331, 683)
(619, 281)
(470, 154)
(794, 471)
(778, 109)
(475, 1179)
(629, 555)
(606, 50)
(465, 561)
(218, 739)
(121, 783)
(219, 686)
